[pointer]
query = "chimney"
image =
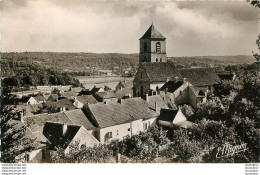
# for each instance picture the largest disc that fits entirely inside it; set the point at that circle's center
(64, 128)
(155, 107)
(184, 80)
(146, 97)
(168, 79)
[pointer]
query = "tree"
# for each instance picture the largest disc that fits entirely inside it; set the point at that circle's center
(13, 139)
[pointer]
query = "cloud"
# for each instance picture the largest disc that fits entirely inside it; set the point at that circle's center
(98, 26)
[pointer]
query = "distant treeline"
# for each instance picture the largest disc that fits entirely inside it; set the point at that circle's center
(212, 61)
(83, 63)
(22, 72)
(24, 69)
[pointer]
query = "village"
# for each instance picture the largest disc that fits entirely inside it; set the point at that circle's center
(160, 95)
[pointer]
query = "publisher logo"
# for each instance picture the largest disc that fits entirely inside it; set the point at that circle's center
(229, 150)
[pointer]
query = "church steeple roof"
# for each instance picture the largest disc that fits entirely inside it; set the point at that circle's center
(152, 32)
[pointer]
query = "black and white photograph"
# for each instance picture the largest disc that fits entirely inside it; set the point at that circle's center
(130, 82)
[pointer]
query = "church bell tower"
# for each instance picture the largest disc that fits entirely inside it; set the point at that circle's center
(152, 46)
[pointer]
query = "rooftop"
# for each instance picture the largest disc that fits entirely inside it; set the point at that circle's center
(152, 32)
(118, 113)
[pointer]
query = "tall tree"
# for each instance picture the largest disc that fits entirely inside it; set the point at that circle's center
(13, 136)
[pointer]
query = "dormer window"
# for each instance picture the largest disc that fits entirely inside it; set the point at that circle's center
(158, 47)
(145, 47)
(156, 60)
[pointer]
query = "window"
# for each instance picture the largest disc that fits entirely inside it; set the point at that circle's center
(43, 154)
(180, 92)
(83, 146)
(128, 129)
(145, 47)
(156, 60)
(27, 158)
(158, 47)
(117, 133)
(108, 136)
(160, 60)
(149, 124)
(141, 76)
(145, 126)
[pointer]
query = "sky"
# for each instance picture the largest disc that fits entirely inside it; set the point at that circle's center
(192, 28)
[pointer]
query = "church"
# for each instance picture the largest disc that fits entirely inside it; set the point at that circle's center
(155, 70)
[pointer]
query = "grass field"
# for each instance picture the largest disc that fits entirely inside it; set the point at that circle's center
(90, 82)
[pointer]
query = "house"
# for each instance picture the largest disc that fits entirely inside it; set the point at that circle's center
(106, 96)
(28, 109)
(36, 122)
(97, 89)
(39, 143)
(154, 70)
(53, 97)
(75, 89)
(85, 92)
(84, 100)
(156, 102)
(124, 89)
(61, 135)
(117, 120)
(173, 118)
(34, 99)
(181, 92)
(124, 93)
(78, 117)
(124, 84)
(60, 105)
(68, 95)
(201, 78)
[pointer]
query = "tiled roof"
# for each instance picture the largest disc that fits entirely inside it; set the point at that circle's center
(86, 99)
(125, 84)
(76, 89)
(124, 92)
(118, 113)
(61, 103)
(31, 108)
(37, 137)
(69, 94)
(96, 89)
(36, 122)
(159, 72)
(171, 86)
(167, 115)
(200, 76)
(104, 95)
(152, 32)
(53, 97)
(158, 100)
(54, 133)
(85, 92)
(79, 118)
(39, 98)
